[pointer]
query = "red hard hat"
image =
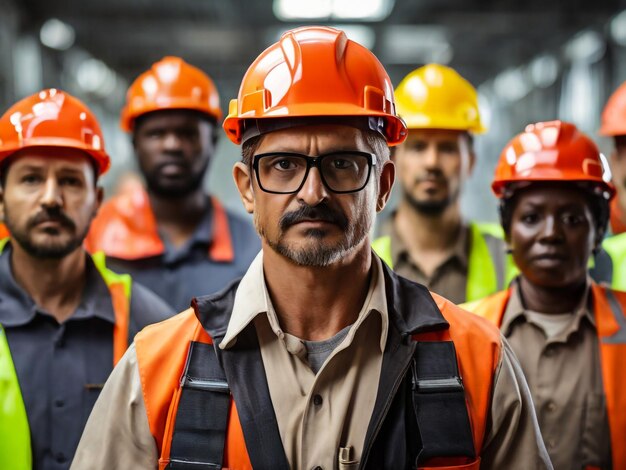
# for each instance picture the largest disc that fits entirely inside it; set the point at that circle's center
(52, 118)
(171, 83)
(551, 151)
(614, 114)
(311, 72)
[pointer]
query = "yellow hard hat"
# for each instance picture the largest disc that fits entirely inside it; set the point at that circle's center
(437, 97)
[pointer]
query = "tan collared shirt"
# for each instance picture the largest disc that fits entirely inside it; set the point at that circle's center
(314, 431)
(565, 380)
(318, 414)
(449, 279)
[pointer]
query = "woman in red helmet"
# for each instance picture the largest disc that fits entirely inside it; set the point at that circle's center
(568, 332)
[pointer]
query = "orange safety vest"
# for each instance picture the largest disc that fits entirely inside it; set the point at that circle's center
(162, 350)
(126, 228)
(608, 309)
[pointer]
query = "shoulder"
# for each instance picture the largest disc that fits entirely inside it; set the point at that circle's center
(146, 307)
(466, 325)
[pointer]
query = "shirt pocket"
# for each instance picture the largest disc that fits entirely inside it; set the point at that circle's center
(595, 442)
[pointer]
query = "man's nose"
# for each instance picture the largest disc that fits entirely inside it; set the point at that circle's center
(313, 191)
(52, 196)
(172, 141)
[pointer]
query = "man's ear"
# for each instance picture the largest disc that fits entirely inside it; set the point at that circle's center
(243, 181)
(385, 184)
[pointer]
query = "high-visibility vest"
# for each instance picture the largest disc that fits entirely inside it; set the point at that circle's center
(609, 265)
(608, 310)
(126, 228)
(163, 350)
(489, 270)
(15, 450)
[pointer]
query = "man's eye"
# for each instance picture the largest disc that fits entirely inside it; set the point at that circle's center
(284, 165)
(30, 179)
(341, 163)
(70, 181)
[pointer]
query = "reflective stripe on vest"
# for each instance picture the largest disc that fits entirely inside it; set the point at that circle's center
(15, 452)
(608, 310)
(489, 270)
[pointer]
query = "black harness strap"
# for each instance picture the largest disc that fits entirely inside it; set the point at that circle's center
(202, 416)
(439, 402)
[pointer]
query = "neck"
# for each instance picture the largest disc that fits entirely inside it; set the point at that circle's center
(422, 232)
(316, 303)
(552, 299)
(55, 285)
(178, 217)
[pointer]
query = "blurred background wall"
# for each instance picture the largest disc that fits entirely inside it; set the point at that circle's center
(532, 60)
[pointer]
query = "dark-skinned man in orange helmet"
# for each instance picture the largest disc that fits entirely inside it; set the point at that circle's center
(320, 357)
(175, 238)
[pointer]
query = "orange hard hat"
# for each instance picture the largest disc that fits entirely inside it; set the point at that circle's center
(52, 118)
(614, 114)
(312, 72)
(171, 83)
(551, 151)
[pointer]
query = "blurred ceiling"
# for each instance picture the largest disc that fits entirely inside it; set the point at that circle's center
(479, 38)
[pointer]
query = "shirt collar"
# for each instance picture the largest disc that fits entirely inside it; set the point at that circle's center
(515, 309)
(17, 308)
(400, 252)
(252, 299)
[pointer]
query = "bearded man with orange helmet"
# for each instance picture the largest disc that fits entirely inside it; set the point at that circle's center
(65, 319)
(321, 356)
(175, 238)
(568, 332)
(425, 239)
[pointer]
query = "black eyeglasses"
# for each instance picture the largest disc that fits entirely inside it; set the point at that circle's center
(285, 172)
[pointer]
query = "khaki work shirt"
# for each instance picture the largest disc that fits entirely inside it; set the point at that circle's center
(565, 379)
(317, 414)
(449, 279)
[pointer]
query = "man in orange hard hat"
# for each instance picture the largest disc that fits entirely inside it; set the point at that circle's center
(426, 239)
(568, 332)
(614, 126)
(321, 356)
(65, 319)
(175, 238)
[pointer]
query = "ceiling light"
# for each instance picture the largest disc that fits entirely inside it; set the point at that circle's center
(586, 46)
(544, 70)
(364, 10)
(56, 34)
(618, 28)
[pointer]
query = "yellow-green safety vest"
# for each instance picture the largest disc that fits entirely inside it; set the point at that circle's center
(489, 269)
(609, 265)
(15, 450)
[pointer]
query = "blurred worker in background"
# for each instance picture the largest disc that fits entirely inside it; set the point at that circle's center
(321, 356)
(614, 126)
(65, 319)
(568, 332)
(426, 239)
(175, 238)
(610, 263)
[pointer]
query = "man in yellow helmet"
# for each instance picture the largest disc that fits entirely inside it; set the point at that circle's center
(426, 239)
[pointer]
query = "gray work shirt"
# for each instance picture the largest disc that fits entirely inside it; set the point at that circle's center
(180, 274)
(61, 368)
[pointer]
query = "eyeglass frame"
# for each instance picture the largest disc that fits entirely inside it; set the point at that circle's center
(315, 162)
